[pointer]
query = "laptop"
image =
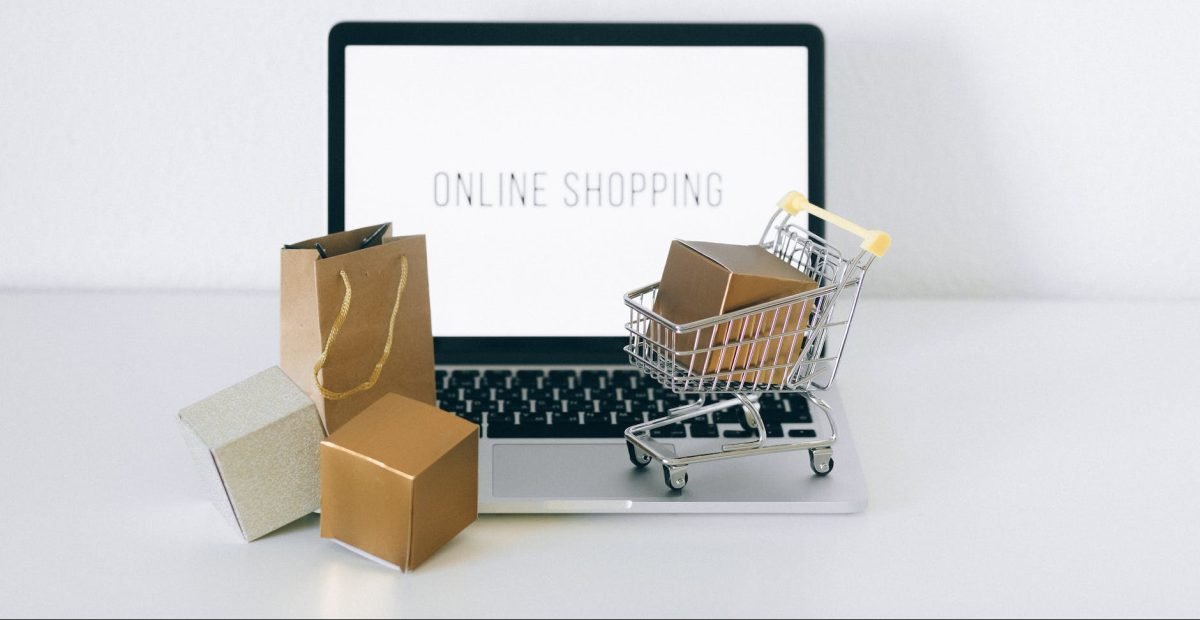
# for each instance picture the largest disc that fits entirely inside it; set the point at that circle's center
(550, 166)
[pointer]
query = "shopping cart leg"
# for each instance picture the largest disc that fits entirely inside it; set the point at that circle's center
(748, 421)
(754, 423)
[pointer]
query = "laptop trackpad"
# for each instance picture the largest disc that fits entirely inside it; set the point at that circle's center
(572, 470)
(603, 471)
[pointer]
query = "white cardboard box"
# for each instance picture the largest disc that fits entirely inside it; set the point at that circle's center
(257, 445)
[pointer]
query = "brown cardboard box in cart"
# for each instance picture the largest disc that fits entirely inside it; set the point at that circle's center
(703, 280)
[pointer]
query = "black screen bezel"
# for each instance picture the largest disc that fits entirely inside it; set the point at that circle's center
(563, 350)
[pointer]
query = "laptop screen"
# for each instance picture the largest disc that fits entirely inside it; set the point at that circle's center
(550, 180)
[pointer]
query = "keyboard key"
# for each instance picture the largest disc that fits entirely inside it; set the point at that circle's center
(527, 378)
(547, 406)
(539, 394)
(703, 429)
(454, 406)
(517, 431)
(495, 378)
(462, 379)
(629, 419)
(484, 406)
(806, 433)
(503, 393)
(579, 405)
(796, 402)
(439, 378)
(476, 394)
(799, 409)
(642, 406)
(581, 431)
(570, 431)
(593, 379)
(671, 400)
(611, 404)
(560, 418)
(605, 432)
(625, 378)
(593, 418)
(773, 430)
(732, 415)
(519, 406)
(533, 417)
(497, 417)
(772, 410)
(560, 378)
(789, 410)
(638, 395)
(674, 430)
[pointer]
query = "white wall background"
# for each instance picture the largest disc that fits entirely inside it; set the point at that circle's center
(1047, 149)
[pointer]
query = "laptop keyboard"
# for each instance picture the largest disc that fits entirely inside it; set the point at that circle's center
(595, 404)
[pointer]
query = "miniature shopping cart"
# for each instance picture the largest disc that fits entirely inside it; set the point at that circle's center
(793, 345)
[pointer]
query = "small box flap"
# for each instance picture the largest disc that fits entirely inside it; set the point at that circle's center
(750, 260)
(403, 434)
(241, 409)
(692, 286)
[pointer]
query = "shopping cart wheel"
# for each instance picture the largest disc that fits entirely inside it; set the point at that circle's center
(821, 461)
(675, 477)
(636, 456)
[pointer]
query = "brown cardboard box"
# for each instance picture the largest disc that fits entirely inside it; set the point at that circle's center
(399, 480)
(702, 280)
(312, 296)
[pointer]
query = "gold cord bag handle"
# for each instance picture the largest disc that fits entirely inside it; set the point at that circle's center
(337, 325)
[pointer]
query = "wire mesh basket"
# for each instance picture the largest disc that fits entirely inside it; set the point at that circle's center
(793, 344)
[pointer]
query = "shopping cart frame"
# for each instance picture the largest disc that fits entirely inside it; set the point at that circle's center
(655, 346)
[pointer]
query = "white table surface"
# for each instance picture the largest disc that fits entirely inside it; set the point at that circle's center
(1023, 458)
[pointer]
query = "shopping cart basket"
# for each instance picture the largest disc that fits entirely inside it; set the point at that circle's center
(793, 345)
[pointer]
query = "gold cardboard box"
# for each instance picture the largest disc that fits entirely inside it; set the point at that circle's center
(702, 280)
(399, 480)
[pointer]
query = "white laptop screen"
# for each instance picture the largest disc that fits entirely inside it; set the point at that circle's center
(551, 180)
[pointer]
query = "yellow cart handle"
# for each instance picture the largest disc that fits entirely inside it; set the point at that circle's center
(876, 242)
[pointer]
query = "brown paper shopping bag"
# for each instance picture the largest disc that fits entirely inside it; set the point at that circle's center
(355, 320)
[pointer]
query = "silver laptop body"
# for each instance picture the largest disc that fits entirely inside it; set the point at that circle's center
(410, 101)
